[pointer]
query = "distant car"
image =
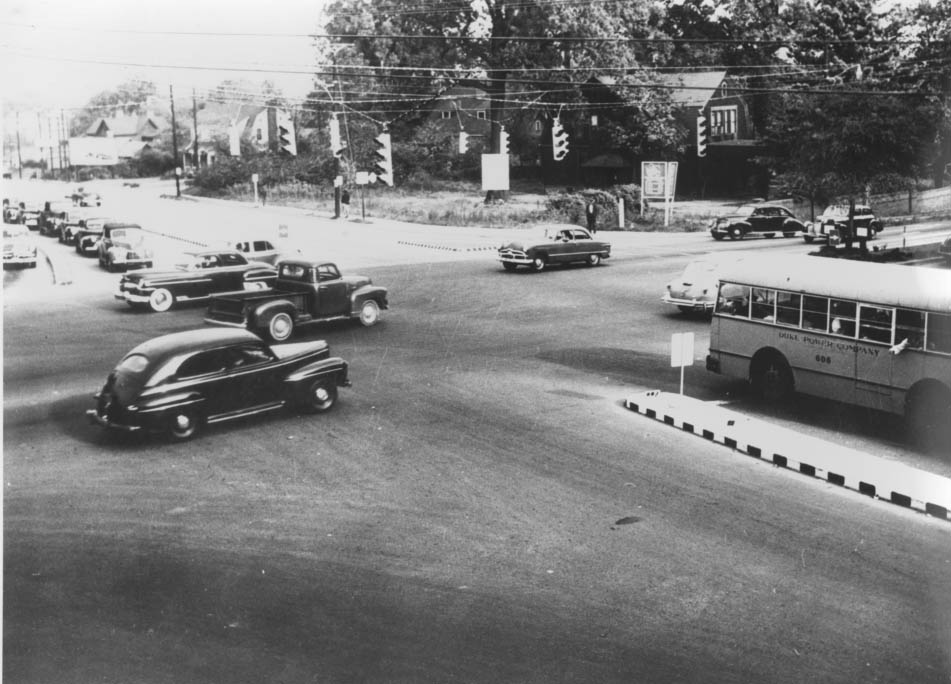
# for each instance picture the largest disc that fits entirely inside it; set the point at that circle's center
(180, 382)
(53, 218)
(554, 245)
(833, 224)
(258, 250)
(19, 246)
(123, 246)
(694, 290)
(200, 275)
(762, 219)
(83, 198)
(12, 211)
(30, 215)
(85, 234)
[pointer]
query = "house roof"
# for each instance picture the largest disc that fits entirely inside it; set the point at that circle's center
(127, 126)
(687, 88)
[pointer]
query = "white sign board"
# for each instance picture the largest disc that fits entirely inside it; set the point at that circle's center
(495, 172)
(658, 179)
(362, 178)
(681, 353)
(93, 151)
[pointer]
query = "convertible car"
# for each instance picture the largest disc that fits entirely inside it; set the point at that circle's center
(554, 245)
(202, 274)
(177, 383)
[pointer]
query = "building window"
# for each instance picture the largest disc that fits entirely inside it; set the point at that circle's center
(480, 114)
(258, 134)
(723, 123)
(446, 113)
(537, 126)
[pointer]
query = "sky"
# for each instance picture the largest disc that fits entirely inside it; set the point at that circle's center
(60, 53)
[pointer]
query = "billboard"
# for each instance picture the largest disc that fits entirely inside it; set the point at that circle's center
(92, 151)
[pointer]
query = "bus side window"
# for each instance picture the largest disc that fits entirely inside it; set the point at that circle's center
(843, 318)
(910, 326)
(734, 300)
(875, 324)
(764, 304)
(815, 313)
(939, 333)
(787, 307)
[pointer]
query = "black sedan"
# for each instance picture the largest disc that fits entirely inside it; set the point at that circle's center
(177, 383)
(556, 244)
(762, 219)
(202, 274)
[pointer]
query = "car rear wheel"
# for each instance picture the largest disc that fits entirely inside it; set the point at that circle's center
(538, 263)
(161, 300)
(369, 313)
(182, 424)
(594, 259)
(280, 327)
(321, 396)
(771, 378)
(928, 417)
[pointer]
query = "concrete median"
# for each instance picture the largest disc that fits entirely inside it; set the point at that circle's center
(877, 477)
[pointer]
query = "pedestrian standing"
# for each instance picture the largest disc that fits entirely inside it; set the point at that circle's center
(591, 213)
(345, 203)
(263, 191)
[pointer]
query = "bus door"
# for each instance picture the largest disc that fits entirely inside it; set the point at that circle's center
(873, 357)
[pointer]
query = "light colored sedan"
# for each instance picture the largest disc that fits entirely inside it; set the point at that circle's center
(258, 250)
(694, 290)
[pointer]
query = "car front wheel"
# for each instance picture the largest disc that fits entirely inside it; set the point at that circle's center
(280, 327)
(161, 300)
(182, 424)
(736, 233)
(321, 396)
(369, 313)
(538, 263)
(594, 259)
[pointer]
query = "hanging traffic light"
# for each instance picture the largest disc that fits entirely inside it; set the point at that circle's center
(287, 141)
(337, 143)
(503, 141)
(384, 162)
(701, 135)
(559, 140)
(463, 142)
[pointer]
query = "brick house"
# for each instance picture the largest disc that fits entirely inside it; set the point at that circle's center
(132, 132)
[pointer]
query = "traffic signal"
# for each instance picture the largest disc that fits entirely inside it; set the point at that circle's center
(559, 140)
(285, 133)
(701, 135)
(384, 162)
(503, 141)
(337, 143)
(463, 142)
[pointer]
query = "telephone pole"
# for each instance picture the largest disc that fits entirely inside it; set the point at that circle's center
(19, 153)
(195, 126)
(178, 188)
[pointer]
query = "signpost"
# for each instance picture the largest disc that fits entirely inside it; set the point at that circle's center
(495, 172)
(659, 181)
(681, 353)
(254, 181)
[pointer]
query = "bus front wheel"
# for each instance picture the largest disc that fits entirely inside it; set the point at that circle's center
(771, 377)
(928, 417)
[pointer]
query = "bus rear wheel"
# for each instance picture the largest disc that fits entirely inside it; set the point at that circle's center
(771, 377)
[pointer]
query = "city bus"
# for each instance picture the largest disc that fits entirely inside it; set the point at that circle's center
(868, 334)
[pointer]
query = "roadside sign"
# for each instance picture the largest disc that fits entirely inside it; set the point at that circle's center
(681, 353)
(254, 178)
(362, 178)
(495, 172)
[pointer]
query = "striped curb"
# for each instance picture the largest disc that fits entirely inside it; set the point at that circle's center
(870, 475)
(444, 247)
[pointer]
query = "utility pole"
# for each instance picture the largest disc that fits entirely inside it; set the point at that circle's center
(195, 125)
(69, 165)
(178, 188)
(59, 147)
(19, 154)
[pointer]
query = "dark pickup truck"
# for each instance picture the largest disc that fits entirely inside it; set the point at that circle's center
(304, 292)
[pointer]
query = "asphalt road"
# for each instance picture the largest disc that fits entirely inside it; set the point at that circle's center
(478, 506)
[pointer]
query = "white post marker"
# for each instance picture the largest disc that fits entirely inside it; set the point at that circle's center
(254, 182)
(620, 213)
(681, 353)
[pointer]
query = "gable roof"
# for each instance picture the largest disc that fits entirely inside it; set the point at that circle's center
(126, 126)
(686, 88)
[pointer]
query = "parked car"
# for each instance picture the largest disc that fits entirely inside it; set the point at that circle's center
(87, 235)
(557, 244)
(30, 215)
(53, 218)
(12, 211)
(258, 250)
(694, 290)
(763, 219)
(304, 292)
(832, 226)
(180, 382)
(19, 246)
(201, 274)
(123, 246)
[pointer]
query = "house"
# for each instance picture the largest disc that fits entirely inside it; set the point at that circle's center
(132, 132)
(229, 128)
(464, 110)
(727, 167)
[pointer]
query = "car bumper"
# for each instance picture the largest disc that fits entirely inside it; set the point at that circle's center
(132, 297)
(19, 258)
(520, 259)
(696, 304)
(93, 416)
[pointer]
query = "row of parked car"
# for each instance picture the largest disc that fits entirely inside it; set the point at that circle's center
(838, 223)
